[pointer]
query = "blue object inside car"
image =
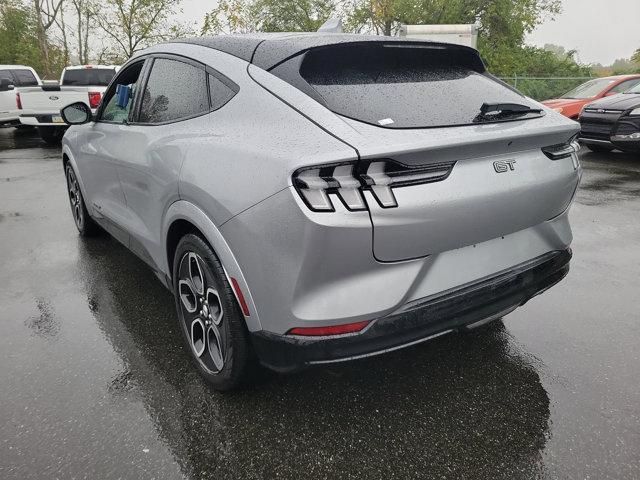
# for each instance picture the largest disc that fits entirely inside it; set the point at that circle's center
(123, 92)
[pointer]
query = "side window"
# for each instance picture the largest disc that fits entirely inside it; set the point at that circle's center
(220, 92)
(624, 86)
(7, 74)
(24, 78)
(113, 110)
(175, 90)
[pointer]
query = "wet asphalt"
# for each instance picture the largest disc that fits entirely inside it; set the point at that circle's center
(95, 382)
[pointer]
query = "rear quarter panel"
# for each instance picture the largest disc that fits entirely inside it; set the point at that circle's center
(246, 151)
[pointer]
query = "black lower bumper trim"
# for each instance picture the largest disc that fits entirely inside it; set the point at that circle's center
(450, 310)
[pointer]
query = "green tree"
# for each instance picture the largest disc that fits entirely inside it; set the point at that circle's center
(231, 16)
(244, 16)
(132, 25)
(20, 42)
(293, 15)
(530, 61)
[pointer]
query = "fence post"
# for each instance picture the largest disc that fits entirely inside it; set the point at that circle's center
(515, 81)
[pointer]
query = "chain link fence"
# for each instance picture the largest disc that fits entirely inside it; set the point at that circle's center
(544, 88)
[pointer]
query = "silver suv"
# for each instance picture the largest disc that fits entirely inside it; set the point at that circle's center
(316, 198)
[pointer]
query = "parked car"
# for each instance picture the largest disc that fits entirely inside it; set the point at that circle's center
(571, 103)
(12, 76)
(315, 198)
(612, 123)
(40, 106)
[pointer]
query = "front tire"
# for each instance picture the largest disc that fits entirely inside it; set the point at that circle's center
(212, 325)
(86, 226)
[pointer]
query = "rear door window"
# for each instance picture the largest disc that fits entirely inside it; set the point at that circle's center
(174, 91)
(88, 77)
(404, 85)
(24, 78)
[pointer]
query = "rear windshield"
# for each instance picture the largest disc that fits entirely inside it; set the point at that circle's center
(24, 78)
(404, 85)
(588, 89)
(99, 77)
(19, 78)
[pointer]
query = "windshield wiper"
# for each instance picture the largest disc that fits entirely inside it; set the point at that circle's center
(502, 109)
(498, 111)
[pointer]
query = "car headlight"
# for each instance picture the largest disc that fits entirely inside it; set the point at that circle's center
(635, 111)
(558, 109)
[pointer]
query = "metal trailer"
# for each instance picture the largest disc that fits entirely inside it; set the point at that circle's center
(459, 34)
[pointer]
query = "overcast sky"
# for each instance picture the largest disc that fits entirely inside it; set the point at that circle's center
(601, 30)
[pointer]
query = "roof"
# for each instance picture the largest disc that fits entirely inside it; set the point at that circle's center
(622, 76)
(266, 50)
(89, 67)
(14, 66)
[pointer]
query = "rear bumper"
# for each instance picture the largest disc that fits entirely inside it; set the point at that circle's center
(41, 120)
(422, 320)
(9, 118)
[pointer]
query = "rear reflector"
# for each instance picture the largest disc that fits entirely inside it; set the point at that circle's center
(331, 330)
(240, 297)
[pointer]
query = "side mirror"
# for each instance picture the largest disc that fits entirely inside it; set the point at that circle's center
(5, 85)
(76, 113)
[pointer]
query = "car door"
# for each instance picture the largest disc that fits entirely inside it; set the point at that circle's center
(100, 147)
(7, 97)
(152, 148)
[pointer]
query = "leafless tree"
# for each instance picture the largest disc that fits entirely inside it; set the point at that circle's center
(46, 12)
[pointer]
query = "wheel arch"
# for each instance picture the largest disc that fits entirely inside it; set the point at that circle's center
(183, 217)
(69, 159)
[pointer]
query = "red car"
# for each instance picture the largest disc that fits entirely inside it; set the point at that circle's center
(571, 103)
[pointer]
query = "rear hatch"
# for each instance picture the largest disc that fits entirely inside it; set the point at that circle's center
(449, 155)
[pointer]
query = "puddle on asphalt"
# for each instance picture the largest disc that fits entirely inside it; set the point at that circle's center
(14, 138)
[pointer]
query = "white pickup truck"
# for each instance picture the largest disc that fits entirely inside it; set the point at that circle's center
(40, 106)
(12, 77)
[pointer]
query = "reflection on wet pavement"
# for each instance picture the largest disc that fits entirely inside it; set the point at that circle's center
(96, 383)
(609, 181)
(468, 392)
(18, 138)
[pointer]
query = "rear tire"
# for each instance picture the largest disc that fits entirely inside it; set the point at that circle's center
(51, 135)
(599, 148)
(86, 226)
(212, 325)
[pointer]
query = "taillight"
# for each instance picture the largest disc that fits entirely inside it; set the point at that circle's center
(563, 150)
(94, 99)
(316, 185)
(331, 330)
(18, 101)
